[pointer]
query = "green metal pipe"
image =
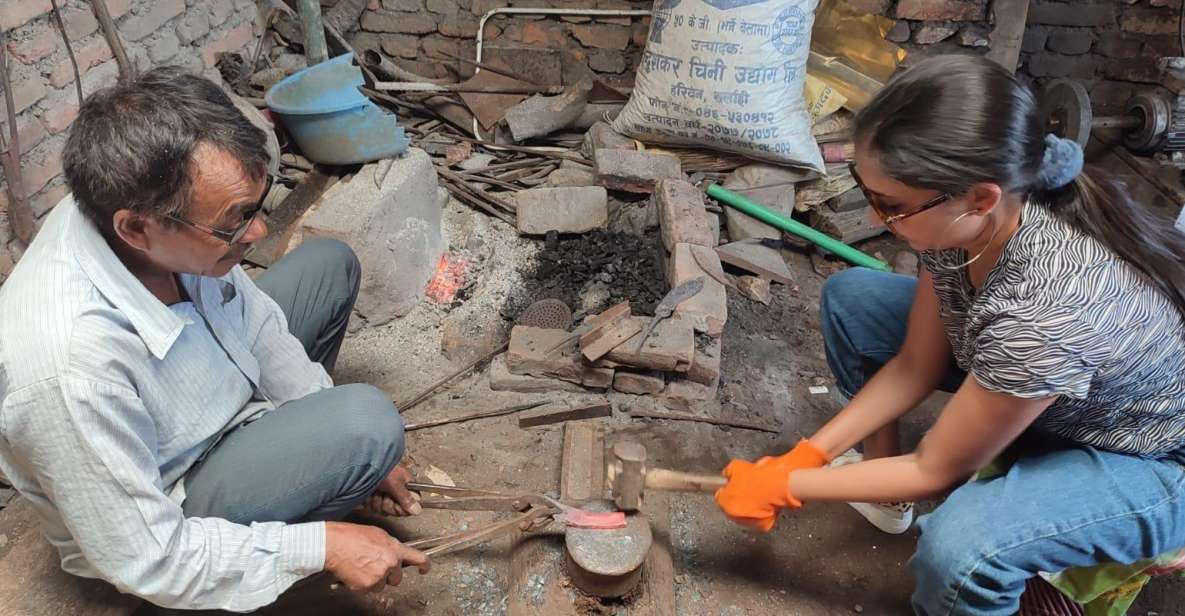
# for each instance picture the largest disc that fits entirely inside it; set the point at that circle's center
(789, 225)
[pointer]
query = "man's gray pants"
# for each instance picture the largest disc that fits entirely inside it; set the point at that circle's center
(318, 457)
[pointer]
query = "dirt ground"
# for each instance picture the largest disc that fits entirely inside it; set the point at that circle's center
(822, 560)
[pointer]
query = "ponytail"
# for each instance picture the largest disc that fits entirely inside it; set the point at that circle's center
(1099, 205)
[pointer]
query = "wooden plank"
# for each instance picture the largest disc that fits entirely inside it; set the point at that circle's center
(281, 224)
(847, 227)
(658, 579)
(597, 343)
(584, 411)
(1006, 39)
(582, 469)
(32, 582)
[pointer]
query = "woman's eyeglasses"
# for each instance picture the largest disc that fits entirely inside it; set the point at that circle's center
(876, 205)
(230, 236)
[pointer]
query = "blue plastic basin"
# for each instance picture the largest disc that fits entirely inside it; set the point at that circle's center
(331, 121)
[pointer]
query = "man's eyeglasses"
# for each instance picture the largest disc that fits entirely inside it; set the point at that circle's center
(231, 236)
(874, 202)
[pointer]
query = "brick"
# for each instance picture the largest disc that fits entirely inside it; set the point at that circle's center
(410, 6)
(1114, 45)
(37, 42)
(1148, 21)
(481, 7)
(59, 115)
(1034, 39)
(439, 47)
(98, 77)
(1077, 14)
(941, 10)
(234, 40)
(760, 260)
(118, 8)
(639, 383)
(602, 136)
(570, 177)
(399, 23)
(567, 210)
(754, 288)
(194, 25)
(527, 354)
(684, 395)
(602, 36)
(705, 369)
(930, 33)
(1139, 71)
(973, 36)
(20, 12)
(461, 25)
(400, 45)
(501, 379)
(91, 53)
(47, 199)
(136, 27)
(634, 171)
(27, 92)
(607, 61)
(164, 47)
(871, 7)
(79, 22)
(545, 34)
(639, 34)
(707, 310)
(1071, 41)
(441, 7)
(41, 165)
(900, 32)
(29, 130)
(1046, 64)
(681, 214)
(670, 347)
(220, 11)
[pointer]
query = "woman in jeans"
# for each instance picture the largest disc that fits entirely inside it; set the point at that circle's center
(1049, 303)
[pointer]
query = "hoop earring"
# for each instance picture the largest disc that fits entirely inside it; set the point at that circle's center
(953, 268)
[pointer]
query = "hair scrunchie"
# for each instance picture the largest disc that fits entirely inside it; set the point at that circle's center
(1062, 163)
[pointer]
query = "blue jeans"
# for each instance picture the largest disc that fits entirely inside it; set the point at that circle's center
(1061, 504)
(318, 457)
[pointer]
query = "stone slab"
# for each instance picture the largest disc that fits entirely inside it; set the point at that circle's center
(761, 260)
(769, 185)
(566, 210)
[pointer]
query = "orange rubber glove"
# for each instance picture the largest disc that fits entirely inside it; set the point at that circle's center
(756, 492)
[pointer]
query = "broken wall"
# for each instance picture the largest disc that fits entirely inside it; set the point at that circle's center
(154, 32)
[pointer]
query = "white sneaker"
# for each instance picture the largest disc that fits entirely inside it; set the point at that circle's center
(892, 518)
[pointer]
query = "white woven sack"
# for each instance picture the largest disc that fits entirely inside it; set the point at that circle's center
(727, 74)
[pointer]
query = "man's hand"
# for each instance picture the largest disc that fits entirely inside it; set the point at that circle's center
(392, 496)
(364, 557)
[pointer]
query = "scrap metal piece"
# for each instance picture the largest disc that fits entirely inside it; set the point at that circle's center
(666, 307)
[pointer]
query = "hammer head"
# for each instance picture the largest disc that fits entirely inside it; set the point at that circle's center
(627, 467)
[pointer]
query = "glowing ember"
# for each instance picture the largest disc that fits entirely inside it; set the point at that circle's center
(449, 278)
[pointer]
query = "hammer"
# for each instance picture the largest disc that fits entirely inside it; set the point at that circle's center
(628, 477)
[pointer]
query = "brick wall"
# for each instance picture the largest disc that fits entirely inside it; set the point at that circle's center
(154, 32)
(1112, 46)
(420, 33)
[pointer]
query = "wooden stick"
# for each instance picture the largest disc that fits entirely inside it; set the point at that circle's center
(744, 425)
(57, 18)
(126, 70)
(19, 210)
(495, 413)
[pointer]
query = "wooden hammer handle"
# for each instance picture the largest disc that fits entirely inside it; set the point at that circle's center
(675, 481)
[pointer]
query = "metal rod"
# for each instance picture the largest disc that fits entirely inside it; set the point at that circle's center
(483, 415)
(314, 31)
(126, 70)
(57, 18)
(789, 225)
(19, 211)
(401, 86)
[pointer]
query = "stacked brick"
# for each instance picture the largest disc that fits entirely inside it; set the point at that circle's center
(183, 32)
(423, 34)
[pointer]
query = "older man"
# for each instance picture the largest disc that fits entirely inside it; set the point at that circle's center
(172, 421)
